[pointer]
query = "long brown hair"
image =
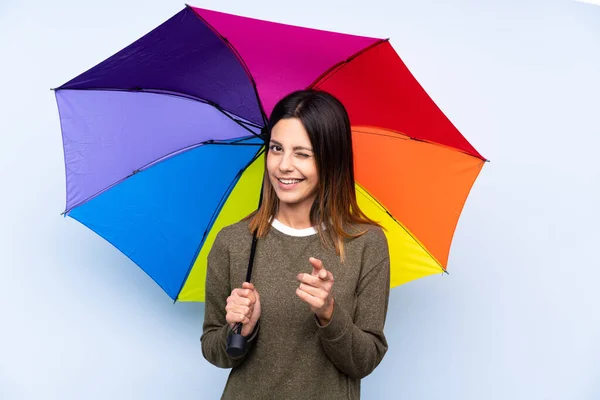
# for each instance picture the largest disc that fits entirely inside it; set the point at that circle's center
(335, 208)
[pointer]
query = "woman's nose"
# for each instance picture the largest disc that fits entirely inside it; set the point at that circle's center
(285, 163)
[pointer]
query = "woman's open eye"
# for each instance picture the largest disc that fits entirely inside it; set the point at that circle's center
(275, 148)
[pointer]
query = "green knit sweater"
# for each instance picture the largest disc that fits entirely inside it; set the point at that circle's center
(290, 356)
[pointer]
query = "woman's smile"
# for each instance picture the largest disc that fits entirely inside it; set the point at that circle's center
(289, 184)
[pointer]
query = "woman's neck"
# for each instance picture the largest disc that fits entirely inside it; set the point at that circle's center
(294, 217)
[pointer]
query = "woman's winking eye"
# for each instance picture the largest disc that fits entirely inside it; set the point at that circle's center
(275, 148)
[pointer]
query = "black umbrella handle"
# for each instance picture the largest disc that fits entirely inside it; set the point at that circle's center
(251, 260)
(236, 343)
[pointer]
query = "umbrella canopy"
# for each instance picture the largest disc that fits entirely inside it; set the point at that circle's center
(163, 144)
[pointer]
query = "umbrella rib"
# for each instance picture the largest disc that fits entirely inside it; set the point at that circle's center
(371, 198)
(236, 142)
(404, 136)
(336, 67)
(240, 59)
(216, 212)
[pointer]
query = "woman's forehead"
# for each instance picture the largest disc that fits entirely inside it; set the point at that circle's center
(290, 131)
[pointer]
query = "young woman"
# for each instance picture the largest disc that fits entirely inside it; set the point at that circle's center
(315, 311)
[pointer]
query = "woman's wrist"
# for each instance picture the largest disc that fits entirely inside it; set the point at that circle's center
(326, 316)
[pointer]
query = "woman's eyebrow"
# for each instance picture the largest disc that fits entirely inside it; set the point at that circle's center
(295, 147)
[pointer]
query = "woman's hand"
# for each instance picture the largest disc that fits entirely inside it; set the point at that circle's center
(243, 306)
(315, 289)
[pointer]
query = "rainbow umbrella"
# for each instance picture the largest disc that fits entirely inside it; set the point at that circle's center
(163, 141)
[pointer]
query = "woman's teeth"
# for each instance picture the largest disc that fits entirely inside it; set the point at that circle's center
(289, 181)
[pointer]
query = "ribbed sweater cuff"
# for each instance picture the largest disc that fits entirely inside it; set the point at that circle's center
(337, 326)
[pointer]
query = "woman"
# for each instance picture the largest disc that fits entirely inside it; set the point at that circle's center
(315, 312)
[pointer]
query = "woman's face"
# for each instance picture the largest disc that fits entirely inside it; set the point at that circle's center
(291, 164)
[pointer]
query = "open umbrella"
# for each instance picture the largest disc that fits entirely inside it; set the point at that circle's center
(163, 144)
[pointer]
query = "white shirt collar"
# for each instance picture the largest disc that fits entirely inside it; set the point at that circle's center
(275, 223)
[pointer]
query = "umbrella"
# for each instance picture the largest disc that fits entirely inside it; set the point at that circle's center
(163, 144)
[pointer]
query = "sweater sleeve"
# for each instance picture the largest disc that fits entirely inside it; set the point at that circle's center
(215, 329)
(357, 345)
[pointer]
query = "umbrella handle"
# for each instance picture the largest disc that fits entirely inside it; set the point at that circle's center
(236, 343)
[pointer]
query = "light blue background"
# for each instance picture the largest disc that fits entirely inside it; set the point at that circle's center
(517, 318)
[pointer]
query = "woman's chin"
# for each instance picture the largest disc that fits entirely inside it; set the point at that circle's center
(292, 199)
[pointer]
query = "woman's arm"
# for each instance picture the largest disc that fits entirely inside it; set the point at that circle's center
(215, 329)
(357, 347)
